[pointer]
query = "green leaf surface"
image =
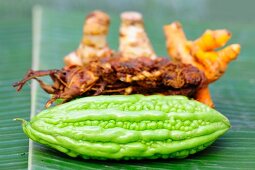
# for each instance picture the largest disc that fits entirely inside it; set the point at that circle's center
(15, 57)
(60, 31)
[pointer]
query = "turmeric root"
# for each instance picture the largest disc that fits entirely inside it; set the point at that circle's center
(201, 53)
(203, 96)
(93, 44)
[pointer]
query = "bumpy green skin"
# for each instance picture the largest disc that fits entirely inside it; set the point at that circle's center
(128, 127)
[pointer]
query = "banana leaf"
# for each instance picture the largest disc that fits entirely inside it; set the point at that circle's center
(59, 33)
(57, 29)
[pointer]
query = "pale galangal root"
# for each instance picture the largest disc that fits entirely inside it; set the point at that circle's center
(201, 53)
(134, 42)
(93, 44)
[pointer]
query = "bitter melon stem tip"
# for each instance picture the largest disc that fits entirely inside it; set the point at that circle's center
(20, 119)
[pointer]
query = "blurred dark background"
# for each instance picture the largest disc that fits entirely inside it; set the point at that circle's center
(196, 16)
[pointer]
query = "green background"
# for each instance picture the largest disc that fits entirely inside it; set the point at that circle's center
(62, 22)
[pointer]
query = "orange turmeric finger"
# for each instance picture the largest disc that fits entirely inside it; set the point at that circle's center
(212, 39)
(203, 96)
(214, 64)
(229, 53)
(177, 44)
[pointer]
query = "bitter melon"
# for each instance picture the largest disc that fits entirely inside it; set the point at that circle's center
(128, 127)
